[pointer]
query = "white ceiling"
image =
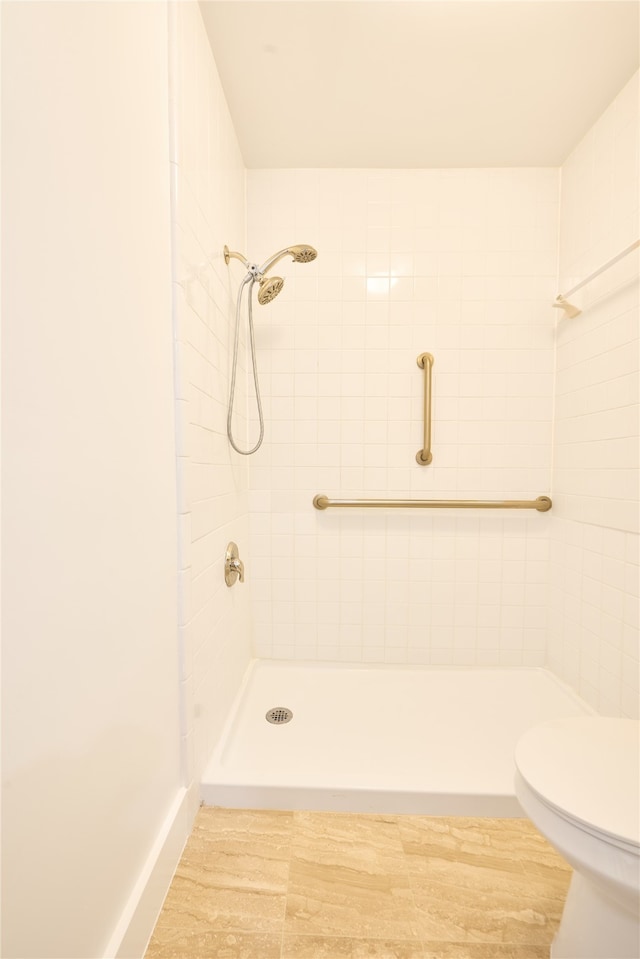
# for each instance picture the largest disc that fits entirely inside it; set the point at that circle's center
(419, 83)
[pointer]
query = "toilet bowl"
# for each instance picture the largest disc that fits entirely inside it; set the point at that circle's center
(578, 781)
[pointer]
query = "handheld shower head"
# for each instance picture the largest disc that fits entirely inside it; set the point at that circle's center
(269, 288)
(303, 253)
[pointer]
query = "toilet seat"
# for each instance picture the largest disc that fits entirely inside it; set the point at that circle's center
(575, 766)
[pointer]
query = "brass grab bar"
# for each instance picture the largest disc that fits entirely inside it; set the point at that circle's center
(424, 456)
(541, 504)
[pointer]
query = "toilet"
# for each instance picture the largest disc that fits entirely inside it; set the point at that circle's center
(578, 781)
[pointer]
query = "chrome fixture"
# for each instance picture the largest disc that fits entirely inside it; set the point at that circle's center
(424, 456)
(542, 503)
(268, 289)
(279, 715)
(233, 565)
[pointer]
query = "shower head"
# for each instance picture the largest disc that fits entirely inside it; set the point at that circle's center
(269, 288)
(302, 253)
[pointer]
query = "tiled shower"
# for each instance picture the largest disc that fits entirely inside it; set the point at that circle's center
(463, 264)
(460, 264)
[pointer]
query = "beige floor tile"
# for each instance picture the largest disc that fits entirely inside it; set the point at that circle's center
(351, 900)
(443, 862)
(199, 904)
(214, 946)
(321, 947)
(341, 886)
(214, 820)
(343, 838)
(495, 843)
(232, 867)
(548, 882)
(497, 853)
(461, 914)
(539, 858)
(243, 832)
(348, 878)
(233, 874)
(553, 883)
(535, 849)
(486, 880)
(482, 950)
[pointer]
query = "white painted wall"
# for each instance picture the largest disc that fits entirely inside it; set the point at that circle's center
(595, 577)
(460, 263)
(208, 182)
(91, 730)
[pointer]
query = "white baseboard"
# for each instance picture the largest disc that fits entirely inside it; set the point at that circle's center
(131, 935)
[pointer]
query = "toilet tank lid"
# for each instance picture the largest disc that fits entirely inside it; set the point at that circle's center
(589, 768)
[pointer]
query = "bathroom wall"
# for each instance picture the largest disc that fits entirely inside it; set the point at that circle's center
(208, 205)
(460, 263)
(593, 639)
(92, 783)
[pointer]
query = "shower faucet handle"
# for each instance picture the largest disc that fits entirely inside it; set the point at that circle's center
(233, 565)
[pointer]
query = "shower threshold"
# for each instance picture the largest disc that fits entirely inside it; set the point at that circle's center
(385, 739)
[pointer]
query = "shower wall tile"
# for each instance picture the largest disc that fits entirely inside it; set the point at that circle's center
(207, 180)
(593, 641)
(458, 263)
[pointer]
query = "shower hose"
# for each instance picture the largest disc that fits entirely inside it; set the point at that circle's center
(251, 279)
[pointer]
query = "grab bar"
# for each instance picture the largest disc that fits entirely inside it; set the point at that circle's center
(424, 456)
(561, 299)
(541, 504)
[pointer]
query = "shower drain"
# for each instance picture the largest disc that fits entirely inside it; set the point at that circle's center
(278, 715)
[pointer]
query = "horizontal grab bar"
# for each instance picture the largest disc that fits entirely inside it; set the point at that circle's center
(541, 504)
(574, 289)
(571, 311)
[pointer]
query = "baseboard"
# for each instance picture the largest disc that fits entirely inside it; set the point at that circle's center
(131, 935)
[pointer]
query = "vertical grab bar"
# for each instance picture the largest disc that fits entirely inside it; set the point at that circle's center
(424, 456)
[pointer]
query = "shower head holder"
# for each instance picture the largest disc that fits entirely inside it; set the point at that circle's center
(228, 255)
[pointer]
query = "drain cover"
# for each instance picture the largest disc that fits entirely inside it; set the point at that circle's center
(279, 714)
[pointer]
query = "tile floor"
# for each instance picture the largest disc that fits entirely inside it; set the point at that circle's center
(304, 885)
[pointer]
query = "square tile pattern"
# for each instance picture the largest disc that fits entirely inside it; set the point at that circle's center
(304, 885)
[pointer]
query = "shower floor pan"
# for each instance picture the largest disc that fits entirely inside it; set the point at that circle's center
(423, 740)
